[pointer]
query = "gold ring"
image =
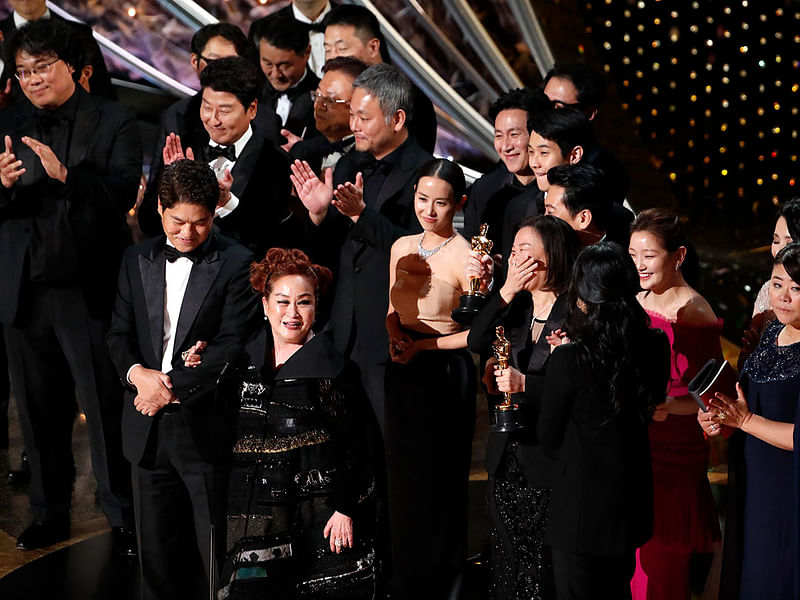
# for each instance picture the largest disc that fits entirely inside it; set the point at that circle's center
(721, 415)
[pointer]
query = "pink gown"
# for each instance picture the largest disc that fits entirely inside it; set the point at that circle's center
(685, 517)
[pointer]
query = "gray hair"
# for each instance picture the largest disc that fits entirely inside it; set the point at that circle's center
(390, 86)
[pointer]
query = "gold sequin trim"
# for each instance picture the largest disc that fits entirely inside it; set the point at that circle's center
(259, 445)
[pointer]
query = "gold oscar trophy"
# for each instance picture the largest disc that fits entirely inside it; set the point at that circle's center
(471, 303)
(506, 414)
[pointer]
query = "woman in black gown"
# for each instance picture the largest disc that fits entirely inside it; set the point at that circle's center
(300, 516)
(530, 305)
(760, 552)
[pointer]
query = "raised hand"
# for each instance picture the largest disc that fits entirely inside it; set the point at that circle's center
(173, 150)
(11, 169)
(225, 184)
(349, 198)
(521, 271)
(292, 139)
(52, 166)
(315, 194)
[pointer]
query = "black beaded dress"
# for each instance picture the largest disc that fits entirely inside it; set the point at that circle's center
(519, 469)
(303, 450)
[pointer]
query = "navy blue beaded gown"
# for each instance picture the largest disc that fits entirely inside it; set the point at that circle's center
(768, 508)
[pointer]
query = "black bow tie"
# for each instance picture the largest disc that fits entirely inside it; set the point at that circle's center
(337, 146)
(172, 254)
(214, 152)
(376, 166)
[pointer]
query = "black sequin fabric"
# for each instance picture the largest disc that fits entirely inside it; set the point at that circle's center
(520, 561)
(770, 362)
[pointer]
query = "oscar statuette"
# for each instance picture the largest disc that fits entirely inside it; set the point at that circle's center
(471, 303)
(506, 414)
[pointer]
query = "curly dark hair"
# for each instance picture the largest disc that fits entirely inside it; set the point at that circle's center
(188, 181)
(282, 261)
(610, 328)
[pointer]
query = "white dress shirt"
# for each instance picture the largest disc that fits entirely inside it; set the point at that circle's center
(316, 59)
(177, 277)
(221, 164)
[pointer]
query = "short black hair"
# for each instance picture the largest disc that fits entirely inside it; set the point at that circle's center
(188, 181)
(233, 74)
(585, 188)
(588, 82)
(789, 257)
(45, 37)
(561, 248)
(791, 212)
(349, 65)
(362, 20)
(567, 127)
(282, 31)
(227, 31)
(529, 100)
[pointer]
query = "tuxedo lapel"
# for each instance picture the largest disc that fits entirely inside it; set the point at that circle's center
(201, 279)
(399, 177)
(152, 271)
(246, 164)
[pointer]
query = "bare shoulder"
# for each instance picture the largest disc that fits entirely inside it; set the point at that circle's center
(697, 311)
(403, 244)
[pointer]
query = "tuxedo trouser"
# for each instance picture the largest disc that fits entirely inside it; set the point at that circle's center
(173, 492)
(587, 577)
(56, 352)
(5, 388)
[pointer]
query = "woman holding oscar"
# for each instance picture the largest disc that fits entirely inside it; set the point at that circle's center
(430, 394)
(530, 306)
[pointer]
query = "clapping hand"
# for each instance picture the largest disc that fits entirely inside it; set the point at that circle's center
(225, 182)
(315, 194)
(174, 151)
(291, 140)
(52, 166)
(11, 169)
(349, 198)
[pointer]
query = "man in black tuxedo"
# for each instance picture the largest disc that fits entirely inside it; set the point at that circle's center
(373, 208)
(209, 43)
(253, 174)
(311, 13)
(69, 173)
(283, 51)
(331, 115)
(186, 286)
(354, 31)
(26, 11)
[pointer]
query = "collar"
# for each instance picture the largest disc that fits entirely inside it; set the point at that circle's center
(304, 19)
(19, 22)
(395, 155)
(239, 144)
(202, 250)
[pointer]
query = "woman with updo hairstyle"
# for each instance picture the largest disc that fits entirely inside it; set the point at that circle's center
(300, 513)
(600, 392)
(430, 394)
(531, 305)
(759, 558)
(686, 528)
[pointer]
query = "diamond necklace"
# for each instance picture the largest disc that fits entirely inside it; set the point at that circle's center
(426, 254)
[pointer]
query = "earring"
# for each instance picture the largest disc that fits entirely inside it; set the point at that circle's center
(677, 266)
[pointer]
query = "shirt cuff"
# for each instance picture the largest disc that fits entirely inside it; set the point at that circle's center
(128, 374)
(228, 208)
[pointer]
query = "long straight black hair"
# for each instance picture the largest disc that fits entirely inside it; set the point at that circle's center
(610, 327)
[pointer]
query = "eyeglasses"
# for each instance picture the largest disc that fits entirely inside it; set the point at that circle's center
(39, 70)
(326, 101)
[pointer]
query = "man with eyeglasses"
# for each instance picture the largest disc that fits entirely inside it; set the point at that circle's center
(283, 51)
(331, 115)
(69, 172)
(26, 11)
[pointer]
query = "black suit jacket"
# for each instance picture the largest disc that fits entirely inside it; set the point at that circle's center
(183, 119)
(602, 498)
(531, 359)
(218, 307)
(87, 212)
(100, 83)
(301, 115)
(362, 291)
